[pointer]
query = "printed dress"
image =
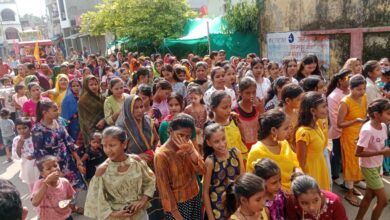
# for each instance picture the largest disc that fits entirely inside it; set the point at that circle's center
(58, 143)
(277, 207)
(224, 172)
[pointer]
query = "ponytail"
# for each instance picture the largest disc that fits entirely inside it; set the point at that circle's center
(41, 107)
(230, 202)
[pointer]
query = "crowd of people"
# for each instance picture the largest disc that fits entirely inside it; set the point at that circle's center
(198, 138)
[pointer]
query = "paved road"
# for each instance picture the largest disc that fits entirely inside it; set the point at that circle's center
(11, 172)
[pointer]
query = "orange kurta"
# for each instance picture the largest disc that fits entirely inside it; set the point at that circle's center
(349, 136)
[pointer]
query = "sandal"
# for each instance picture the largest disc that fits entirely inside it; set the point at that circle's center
(356, 192)
(353, 200)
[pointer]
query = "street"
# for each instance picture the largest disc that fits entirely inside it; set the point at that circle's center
(11, 172)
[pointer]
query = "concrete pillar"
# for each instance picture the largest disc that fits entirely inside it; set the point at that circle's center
(356, 47)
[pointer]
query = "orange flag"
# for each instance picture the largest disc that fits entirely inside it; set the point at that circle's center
(36, 53)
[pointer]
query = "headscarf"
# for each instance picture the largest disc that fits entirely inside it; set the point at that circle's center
(69, 103)
(91, 109)
(30, 78)
(61, 94)
(140, 138)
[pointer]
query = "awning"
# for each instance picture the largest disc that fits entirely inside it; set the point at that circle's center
(72, 37)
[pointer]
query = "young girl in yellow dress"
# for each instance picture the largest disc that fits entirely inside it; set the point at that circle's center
(352, 113)
(311, 140)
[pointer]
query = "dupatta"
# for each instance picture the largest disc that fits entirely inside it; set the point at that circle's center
(140, 137)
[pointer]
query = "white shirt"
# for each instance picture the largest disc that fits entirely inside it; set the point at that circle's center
(207, 96)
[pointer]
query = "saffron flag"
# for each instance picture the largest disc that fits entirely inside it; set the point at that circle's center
(36, 53)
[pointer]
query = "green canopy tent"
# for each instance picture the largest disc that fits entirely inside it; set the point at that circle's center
(195, 39)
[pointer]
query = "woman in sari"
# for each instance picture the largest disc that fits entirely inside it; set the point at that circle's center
(142, 140)
(58, 93)
(91, 108)
(69, 108)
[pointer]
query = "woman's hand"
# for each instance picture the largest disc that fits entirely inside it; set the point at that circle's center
(138, 205)
(100, 124)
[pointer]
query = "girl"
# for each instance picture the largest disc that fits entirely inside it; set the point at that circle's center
(23, 148)
(171, 75)
(223, 166)
(122, 185)
(91, 108)
(245, 198)
(58, 93)
(139, 77)
(352, 113)
(313, 83)
(176, 165)
(161, 91)
(51, 191)
(94, 155)
(269, 171)
(230, 78)
(372, 71)
(29, 108)
(201, 69)
(176, 105)
(218, 83)
(114, 102)
(310, 139)
(274, 94)
(353, 64)
(51, 138)
(307, 67)
(291, 96)
(273, 71)
(371, 150)
(69, 108)
(310, 202)
(290, 67)
(263, 84)
(19, 98)
(221, 113)
(337, 90)
(248, 116)
(198, 111)
(30, 78)
(145, 92)
(273, 145)
(179, 76)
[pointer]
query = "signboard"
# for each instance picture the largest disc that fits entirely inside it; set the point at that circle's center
(280, 45)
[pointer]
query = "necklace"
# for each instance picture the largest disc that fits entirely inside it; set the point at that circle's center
(245, 216)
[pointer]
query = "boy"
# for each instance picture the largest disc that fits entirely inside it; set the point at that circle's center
(7, 128)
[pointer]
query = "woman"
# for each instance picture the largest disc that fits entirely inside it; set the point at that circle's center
(142, 139)
(354, 64)
(308, 66)
(113, 103)
(69, 108)
(91, 108)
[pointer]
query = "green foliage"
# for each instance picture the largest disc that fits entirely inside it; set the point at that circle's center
(243, 17)
(140, 20)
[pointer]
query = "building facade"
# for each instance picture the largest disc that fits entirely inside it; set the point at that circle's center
(9, 28)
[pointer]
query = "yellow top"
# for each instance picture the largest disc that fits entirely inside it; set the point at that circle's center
(286, 160)
(233, 139)
(238, 216)
(315, 165)
(61, 94)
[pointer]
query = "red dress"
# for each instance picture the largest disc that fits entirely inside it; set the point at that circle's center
(332, 209)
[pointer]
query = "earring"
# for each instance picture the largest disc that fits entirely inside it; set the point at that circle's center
(275, 138)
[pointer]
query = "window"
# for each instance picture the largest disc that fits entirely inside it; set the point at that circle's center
(7, 15)
(11, 33)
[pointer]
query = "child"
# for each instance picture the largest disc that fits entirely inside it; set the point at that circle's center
(245, 198)
(51, 191)
(313, 83)
(221, 113)
(123, 185)
(161, 90)
(269, 171)
(170, 75)
(30, 106)
(175, 103)
(218, 84)
(201, 70)
(275, 93)
(6, 96)
(273, 71)
(223, 166)
(371, 150)
(19, 98)
(310, 202)
(371, 71)
(230, 78)
(352, 113)
(176, 165)
(94, 155)
(198, 111)
(290, 102)
(337, 90)
(290, 67)
(272, 144)
(263, 84)
(23, 148)
(7, 128)
(248, 116)
(310, 139)
(145, 92)
(139, 77)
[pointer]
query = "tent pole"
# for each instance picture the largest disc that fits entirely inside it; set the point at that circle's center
(208, 37)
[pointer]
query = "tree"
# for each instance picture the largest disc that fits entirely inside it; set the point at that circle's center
(243, 17)
(140, 20)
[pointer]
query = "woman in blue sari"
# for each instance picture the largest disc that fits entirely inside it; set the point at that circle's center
(70, 110)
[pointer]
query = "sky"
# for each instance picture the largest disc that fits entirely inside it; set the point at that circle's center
(35, 7)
